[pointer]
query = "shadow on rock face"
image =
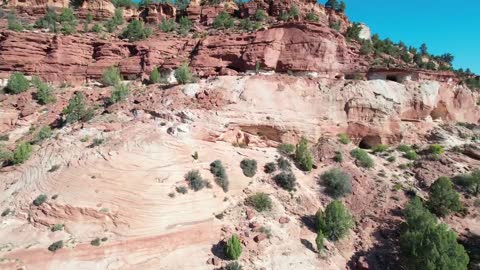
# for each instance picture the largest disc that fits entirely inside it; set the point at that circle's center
(308, 245)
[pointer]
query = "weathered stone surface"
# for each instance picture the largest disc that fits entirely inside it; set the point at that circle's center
(156, 12)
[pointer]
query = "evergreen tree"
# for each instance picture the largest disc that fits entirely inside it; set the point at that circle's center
(335, 222)
(233, 248)
(443, 198)
(303, 156)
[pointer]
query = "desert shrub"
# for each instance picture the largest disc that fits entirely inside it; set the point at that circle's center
(260, 201)
(233, 266)
(362, 158)
(5, 155)
(249, 167)
(411, 155)
(44, 133)
(223, 21)
(367, 47)
(270, 167)
(335, 222)
(294, 12)
(286, 148)
(77, 110)
(220, 174)
(183, 74)
(336, 25)
(6, 212)
(185, 25)
(286, 180)
(338, 157)
(111, 76)
(56, 246)
(233, 248)
(45, 94)
(248, 25)
(155, 76)
(17, 83)
(436, 149)
(443, 198)
(343, 138)
(195, 180)
(404, 148)
(311, 17)
(95, 242)
(13, 23)
(136, 31)
(284, 16)
(337, 182)
(167, 25)
(57, 227)
(260, 15)
(319, 240)
(471, 182)
(40, 200)
(391, 159)
(22, 153)
(353, 31)
(424, 244)
(380, 148)
(195, 155)
(119, 93)
(48, 21)
(97, 28)
(181, 190)
(303, 156)
(124, 3)
(284, 164)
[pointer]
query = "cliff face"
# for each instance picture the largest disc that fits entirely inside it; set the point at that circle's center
(288, 47)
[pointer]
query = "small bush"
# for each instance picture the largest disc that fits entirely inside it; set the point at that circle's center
(220, 174)
(391, 159)
(471, 182)
(22, 153)
(56, 246)
(167, 25)
(183, 74)
(136, 31)
(77, 110)
(404, 148)
(13, 23)
(443, 198)
(380, 148)
(40, 200)
(195, 180)
(249, 167)
(363, 159)
(182, 190)
(260, 201)
(260, 15)
(285, 180)
(185, 25)
(111, 76)
(17, 83)
(303, 156)
(95, 242)
(335, 222)
(338, 157)
(436, 149)
(155, 76)
(337, 183)
(411, 155)
(195, 155)
(284, 164)
(57, 227)
(6, 212)
(270, 167)
(311, 17)
(319, 241)
(233, 266)
(343, 138)
(223, 21)
(248, 25)
(286, 149)
(233, 248)
(44, 93)
(119, 93)
(44, 133)
(97, 28)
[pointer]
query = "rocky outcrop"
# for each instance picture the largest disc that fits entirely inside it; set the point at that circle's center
(39, 3)
(289, 47)
(100, 9)
(156, 12)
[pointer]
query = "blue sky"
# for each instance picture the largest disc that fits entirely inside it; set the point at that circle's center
(438, 23)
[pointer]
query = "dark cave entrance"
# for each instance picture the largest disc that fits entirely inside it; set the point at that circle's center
(370, 141)
(392, 78)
